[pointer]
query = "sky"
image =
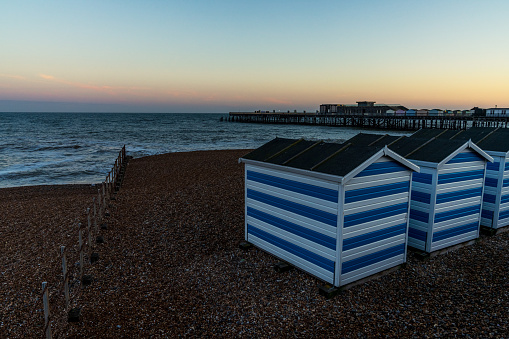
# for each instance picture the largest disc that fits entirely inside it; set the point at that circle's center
(230, 55)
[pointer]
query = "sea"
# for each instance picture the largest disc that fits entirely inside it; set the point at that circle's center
(81, 148)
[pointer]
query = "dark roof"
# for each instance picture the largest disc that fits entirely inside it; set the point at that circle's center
(475, 134)
(420, 146)
(430, 150)
(329, 158)
(373, 139)
(269, 149)
(498, 141)
(487, 138)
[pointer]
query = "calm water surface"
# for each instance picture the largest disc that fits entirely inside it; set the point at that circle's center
(72, 148)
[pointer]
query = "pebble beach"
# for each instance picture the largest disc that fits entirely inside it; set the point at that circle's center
(171, 266)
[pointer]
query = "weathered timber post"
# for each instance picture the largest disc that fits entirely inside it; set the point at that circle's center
(66, 277)
(45, 301)
(104, 197)
(89, 223)
(81, 251)
(95, 217)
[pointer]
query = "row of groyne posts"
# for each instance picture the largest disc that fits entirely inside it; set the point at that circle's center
(96, 216)
(370, 121)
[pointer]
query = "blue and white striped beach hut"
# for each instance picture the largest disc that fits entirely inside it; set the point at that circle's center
(445, 206)
(495, 142)
(336, 211)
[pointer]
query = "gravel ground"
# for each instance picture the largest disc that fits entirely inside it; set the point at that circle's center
(170, 266)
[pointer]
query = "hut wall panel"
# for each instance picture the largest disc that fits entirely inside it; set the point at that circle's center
(503, 214)
(458, 206)
(294, 218)
(376, 180)
(374, 231)
(276, 250)
(439, 244)
(373, 225)
(372, 269)
(319, 204)
(492, 192)
(421, 203)
(318, 247)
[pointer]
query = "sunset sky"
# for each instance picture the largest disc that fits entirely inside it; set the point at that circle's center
(231, 55)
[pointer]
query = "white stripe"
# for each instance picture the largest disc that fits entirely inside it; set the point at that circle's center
(377, 227)
(457, 204)
(459, 185)
(298, 198)
(371, 204)
(462, 167)
(457, 221)
(356, 253)
(297, 261)
(418, 225)
(399, 218)
(376, 180)
(372, 269)
(437, 245)
(294, 177)
(373, 247)
(465, 220)
(419, 244)
(294, 218)
(294, 239)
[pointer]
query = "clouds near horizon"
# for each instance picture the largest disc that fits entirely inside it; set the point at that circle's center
(223, 55)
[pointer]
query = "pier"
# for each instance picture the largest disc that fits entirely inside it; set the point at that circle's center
(406, 123)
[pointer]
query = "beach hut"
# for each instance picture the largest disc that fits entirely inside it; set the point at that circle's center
(445, 206)
(495, 142)
(435, 112)
(422, 112)
(336, 211)
(411, 112)
(400, 112)
(390, 112)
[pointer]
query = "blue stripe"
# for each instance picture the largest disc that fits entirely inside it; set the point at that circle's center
(421, 196)
(305, 211)
(495, 166)
(489, 198)
(504, 199)
(376, 191)
(294, 186)
(492, 182)
(460, 176)
(458, 213)
(290, 227)
(422, 177)
(419, 215)
(292, 248)
(417, 234)
(464, 157)
(487, 214)
(373, 258)
(452, 232)
(372, 237)
(503, 215)
(376, 214)
(381, 168)
(506, 182)
(506, 167)
(458, 195)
